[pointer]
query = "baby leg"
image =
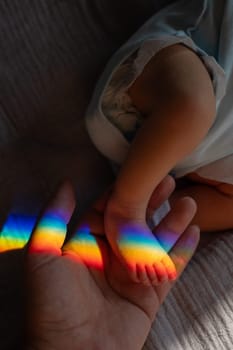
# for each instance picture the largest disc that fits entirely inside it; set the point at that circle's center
(214, 202)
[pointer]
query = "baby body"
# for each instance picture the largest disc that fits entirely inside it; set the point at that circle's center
(164, 105)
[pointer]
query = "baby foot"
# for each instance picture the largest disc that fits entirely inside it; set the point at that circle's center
(140, 251)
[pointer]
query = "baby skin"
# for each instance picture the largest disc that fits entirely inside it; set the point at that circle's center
(135, 244)
(175, 95)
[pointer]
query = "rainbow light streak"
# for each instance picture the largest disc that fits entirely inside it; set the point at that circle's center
(136, 244)
(16, 232)
(139, 246)
(169, 239)
(49, 234)
(87, 247)
(18, 228)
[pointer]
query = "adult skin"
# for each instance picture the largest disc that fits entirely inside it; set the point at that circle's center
(74, 303)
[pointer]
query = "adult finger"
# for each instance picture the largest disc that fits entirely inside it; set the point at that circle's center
(160, 194)
(180, 254)
(101, 202)
(50, 231)
(84, 244)
(184, 248)
(93, 217)
(176, 221)
(86, 247)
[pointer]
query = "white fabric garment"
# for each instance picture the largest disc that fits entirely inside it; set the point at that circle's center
(207, 28)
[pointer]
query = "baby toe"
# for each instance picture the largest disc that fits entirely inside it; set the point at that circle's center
(133, 274)
(170, 267)
(161, 272)
(142, 275)
(151, 273)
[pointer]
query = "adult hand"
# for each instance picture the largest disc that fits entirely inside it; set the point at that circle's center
(79, 294)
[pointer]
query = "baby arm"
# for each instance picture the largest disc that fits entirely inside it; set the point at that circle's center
(175, 94)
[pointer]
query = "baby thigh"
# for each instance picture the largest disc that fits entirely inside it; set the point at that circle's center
(214, 201)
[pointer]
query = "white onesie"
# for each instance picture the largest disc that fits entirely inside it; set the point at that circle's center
(205, 26)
